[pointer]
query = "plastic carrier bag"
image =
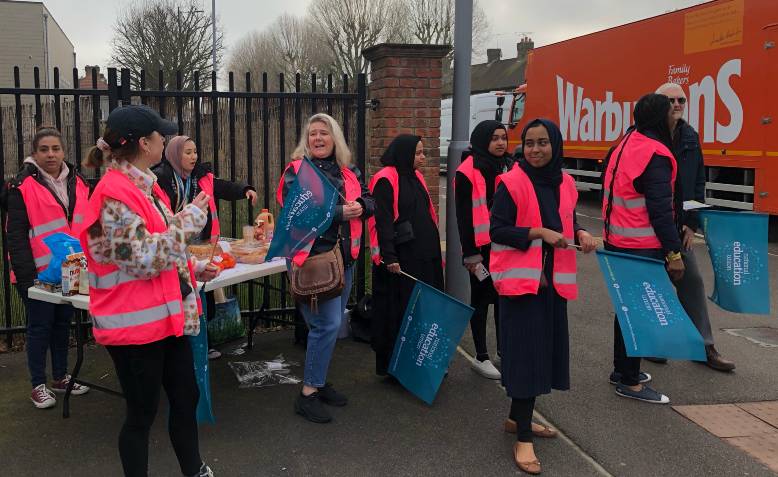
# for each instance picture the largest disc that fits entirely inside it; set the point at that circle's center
(61, 245)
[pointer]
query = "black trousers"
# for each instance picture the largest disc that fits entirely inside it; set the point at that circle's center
(628, 367)
(143, 371)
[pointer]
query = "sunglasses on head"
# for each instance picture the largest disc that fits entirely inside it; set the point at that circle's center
(680, 100)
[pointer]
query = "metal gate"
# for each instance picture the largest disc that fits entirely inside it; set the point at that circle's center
(247, 131)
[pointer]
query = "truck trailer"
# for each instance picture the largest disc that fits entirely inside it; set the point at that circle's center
(722, 53)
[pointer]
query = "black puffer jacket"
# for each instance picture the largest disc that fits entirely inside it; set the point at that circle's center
(18, 225)
(222, 190)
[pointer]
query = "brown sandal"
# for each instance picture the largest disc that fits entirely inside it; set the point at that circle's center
(510, 427)
(532, 467)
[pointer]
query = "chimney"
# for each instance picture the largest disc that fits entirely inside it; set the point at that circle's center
(493, 54)
(523, 47)
(88, 69)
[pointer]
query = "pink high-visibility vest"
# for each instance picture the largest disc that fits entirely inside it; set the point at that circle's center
(46, 217)
(390, 173)
(127, 310)
(630, 226)
(517, 272)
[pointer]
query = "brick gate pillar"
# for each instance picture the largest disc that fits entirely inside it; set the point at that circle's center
(406, 80)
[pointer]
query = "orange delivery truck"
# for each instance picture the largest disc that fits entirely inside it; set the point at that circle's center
(724, 55)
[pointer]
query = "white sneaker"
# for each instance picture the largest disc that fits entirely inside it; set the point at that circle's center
(214, 354)
(42, 397)
(485, 369)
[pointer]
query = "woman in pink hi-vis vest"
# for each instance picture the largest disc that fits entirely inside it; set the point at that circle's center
(46, 197)
(474, 186)
(403, 237)
(142, 284)
(534, 272)
(323, 143)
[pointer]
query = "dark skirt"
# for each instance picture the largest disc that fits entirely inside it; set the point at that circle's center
(534, 342)
(391, 293)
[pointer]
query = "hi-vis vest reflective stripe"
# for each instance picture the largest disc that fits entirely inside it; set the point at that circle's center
(128, 310)
(390, 174)
(353, 191)
(630, 226)
(517, 272)
(46, 217)
(480, 209)
(206, 185)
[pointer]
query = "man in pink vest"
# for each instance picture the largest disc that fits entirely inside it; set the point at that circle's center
(474, 186)
(639, 209)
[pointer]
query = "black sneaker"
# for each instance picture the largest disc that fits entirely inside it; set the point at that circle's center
(329, 396)
(310, 407)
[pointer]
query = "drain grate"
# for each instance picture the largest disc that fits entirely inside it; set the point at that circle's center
(765, 336)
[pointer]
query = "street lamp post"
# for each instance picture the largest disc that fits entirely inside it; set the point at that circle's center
(457, 283)
(213, 34)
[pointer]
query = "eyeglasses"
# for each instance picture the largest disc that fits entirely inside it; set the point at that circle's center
(680, 100)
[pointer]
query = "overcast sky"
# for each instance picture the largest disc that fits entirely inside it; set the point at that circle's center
(88, 23)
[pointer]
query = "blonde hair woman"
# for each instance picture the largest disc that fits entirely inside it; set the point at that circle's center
(322, 142)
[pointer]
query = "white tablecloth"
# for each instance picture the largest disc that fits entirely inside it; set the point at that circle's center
(232, 276)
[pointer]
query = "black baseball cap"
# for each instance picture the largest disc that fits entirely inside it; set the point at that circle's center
(130, 123)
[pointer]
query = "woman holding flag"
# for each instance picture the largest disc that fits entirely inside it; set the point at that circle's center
(639, 211)
(323, 143)
(403, 238)
(533, 223)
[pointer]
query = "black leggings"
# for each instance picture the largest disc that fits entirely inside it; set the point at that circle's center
(521, 412)
(143, 370)
(480, 299)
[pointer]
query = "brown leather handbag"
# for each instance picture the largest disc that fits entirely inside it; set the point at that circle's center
(320, 277)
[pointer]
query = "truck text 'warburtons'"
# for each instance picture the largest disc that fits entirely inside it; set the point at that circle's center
(724, 55)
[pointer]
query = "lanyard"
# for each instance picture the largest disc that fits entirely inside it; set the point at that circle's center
(182, 201)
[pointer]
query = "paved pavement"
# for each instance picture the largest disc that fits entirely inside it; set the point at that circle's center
(386, 431)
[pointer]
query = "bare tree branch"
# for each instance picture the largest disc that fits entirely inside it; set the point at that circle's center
(167, 36)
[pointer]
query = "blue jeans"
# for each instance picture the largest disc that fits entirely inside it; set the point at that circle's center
(48, 328)
(323, 334)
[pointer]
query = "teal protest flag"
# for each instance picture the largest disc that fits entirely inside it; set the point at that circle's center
(653, 321)
(308, 211)
(737, 243)
(432, 327)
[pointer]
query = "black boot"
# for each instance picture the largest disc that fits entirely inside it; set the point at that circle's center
(311, 408)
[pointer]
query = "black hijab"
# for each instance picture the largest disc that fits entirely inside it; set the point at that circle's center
(651, 114)
(401, 153)
(551, 173)
(479, 144)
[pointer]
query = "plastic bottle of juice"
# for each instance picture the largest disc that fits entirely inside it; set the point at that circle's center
(269, 222)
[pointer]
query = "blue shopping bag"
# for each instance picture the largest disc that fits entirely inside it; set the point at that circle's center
(199, 345)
